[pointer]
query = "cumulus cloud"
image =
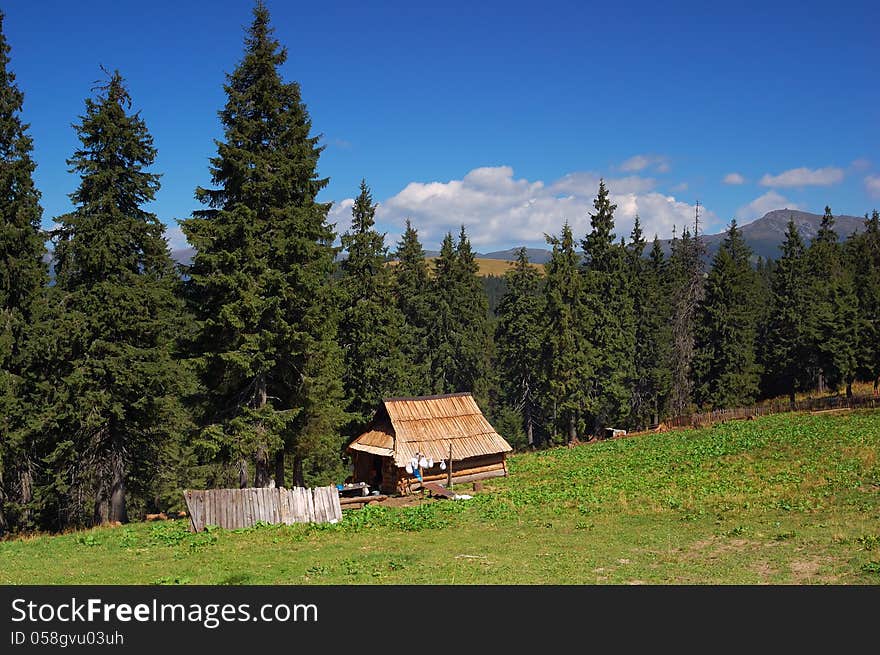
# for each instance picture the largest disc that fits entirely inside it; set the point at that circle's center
(763, 204)
(175, 238)
(638, 163)
(804, 177)
(872, 185)
(500, 211)
(734, 178)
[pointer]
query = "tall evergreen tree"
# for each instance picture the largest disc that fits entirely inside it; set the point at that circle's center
(477, 347)
(785, 345)
(865, 264)
(726, 373)
(115, 321)
(412, 295)
(22, 279)
(371, 328)
(651, 308)
(461, 338)
(441, 336)
(519, 339)
(607, 318)
(259, 284)
(566, 357)
(832, 320)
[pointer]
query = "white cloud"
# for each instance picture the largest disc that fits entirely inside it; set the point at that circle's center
(861, 164)
(763, 204)
(500, 211)
(734, 178)
(175, 238)
(872, 185)
(638, 163)
(683, 186)
(804, 177)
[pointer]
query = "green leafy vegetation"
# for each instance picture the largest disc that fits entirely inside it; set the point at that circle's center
(125, 379)
(782, 499)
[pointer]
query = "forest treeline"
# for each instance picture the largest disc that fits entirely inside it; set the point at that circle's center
(128, 378)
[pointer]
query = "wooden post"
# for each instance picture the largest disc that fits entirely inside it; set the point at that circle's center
(449, 469)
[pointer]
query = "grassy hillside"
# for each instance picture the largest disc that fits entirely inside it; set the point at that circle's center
(783, 499)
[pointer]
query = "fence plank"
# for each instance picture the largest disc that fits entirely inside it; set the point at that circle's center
(773, 407)
(240, 508)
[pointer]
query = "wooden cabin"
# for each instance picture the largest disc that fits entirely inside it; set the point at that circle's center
(448, 429)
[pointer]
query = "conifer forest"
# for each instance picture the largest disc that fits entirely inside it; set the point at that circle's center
(126, 377)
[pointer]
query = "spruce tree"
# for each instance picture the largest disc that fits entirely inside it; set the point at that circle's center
(726, 373)
(865, 264)
(461, 337)
(607, 318)
(566, 358)
(259, 283)
(22, 279)
(443, 321)
(371, 328)
(785, 346)
(476, 349)
(113, 327)
(412, 295)
(519, 339)
(651, 309)
(832, 320)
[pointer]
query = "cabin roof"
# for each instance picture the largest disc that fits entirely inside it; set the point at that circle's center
(428, 425)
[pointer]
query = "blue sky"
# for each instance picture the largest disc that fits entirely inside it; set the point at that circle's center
(498, 115)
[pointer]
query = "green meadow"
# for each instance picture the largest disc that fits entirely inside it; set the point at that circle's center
(786, 499)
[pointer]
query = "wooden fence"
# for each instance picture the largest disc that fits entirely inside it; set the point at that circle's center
(242, 508)
(703, 419)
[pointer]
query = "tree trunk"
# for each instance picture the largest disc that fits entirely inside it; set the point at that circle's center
(849, 391)
(102, 505)
(261, 456)
(530, 428)
(4, 527)
(279, 469)
(117, 487)
(555, 423)
(572, 428)
(791, 396)
(877, 385)
(821, 383)
(298, 480)
(242, 473)
(261, 467)
(26, 482)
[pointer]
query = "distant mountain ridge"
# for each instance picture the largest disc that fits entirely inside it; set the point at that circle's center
(764, 236)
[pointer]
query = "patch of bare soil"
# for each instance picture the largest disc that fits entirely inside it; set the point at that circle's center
(805, 569)
(764, 569)
(714, 548)
(406, 501)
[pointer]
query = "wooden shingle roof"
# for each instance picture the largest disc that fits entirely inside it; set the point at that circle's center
(428, 425)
